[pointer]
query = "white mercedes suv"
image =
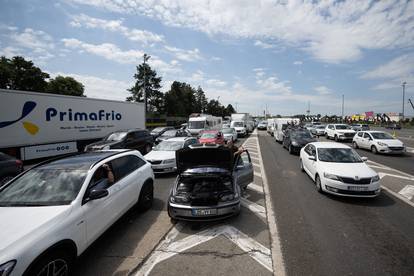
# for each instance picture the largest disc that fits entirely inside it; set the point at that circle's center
(54, 211)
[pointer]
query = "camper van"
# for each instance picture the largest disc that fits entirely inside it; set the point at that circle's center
(280, 125)
(271, 126)
(199, 122)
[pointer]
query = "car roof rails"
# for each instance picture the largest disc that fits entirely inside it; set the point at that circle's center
(110, 155)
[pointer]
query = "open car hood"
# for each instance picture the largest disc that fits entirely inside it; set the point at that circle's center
(204, 156)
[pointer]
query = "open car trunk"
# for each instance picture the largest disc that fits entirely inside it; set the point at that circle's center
(204, 190)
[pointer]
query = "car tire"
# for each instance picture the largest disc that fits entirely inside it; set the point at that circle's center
(146, 197)
(318, 184)
(147, 148)
(374, 149)
(355, 145)
(60, 261)
(336, 138)
(301, 166)
(290, 149)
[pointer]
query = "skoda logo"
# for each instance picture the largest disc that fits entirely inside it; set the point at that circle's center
(356, 177)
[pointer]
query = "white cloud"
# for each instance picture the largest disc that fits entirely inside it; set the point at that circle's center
(114, 53)
(216, 58)
(263, 45)
(143, 36)
(35, 40)
(216, 82)
(197, 76)
(399, 67)
(101, 88)
(331, 31)
(185, 55)
(297, 62)
(323, 90)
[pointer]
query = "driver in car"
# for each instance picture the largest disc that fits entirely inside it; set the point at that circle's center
(103, 177)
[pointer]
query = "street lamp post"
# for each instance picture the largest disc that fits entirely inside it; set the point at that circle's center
(146, 58)
(403, 100)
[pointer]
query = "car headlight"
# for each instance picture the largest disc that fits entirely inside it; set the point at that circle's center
(294, 143)
(7, 268)
(375, 178)
(179, 199)
(106, 148)
(331, 176)
(382, 144)
(169, 161)
(228, 197)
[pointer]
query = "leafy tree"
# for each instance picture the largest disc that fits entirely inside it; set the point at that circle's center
(180, 100)
(146, 75)
(201, 101)
(65, 86)
(229, 110)
(20, 74)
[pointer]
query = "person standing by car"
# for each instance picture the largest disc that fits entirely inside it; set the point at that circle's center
(234, 149)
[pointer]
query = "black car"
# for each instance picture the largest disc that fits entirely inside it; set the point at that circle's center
(172, 133)
(9, 167)
(139, 139)
(158, 131)
(295, 139)
(209, 183)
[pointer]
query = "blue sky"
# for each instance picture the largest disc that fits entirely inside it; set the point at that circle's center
(253, 54)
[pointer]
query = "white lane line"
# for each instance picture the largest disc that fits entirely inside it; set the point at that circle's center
(255, 208)
(407, 191)
(255, 187)
(158, 254)
(410, 150)
(390, 169)
(397, 195)
(256, 165)
(276, 248)
(255, 158)
(381, 175)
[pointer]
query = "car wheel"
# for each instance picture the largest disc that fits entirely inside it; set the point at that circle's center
(336, 138)
(290, 149)
(301, 166)
(146, 197)
(374, 150)
(318, 184)
(355, 145)
(58, 262)
(147, 148)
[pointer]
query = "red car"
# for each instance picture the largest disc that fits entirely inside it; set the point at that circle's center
(211, 137)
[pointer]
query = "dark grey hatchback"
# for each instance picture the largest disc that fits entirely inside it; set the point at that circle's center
(209, 183)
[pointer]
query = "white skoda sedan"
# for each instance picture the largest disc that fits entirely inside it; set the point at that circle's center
(338, 169)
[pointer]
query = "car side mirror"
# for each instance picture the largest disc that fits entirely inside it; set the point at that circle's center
(364, 159)
(98, 193)
(313, 158)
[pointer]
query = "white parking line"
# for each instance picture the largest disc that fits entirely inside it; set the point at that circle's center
(381, 175)
(255, 187)
(257, 174)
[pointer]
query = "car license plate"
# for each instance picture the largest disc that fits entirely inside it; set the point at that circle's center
(204, 212)
(356, 188)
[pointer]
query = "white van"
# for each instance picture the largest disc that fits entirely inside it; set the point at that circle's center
(271, 126)
(280, 126)
(200, 122)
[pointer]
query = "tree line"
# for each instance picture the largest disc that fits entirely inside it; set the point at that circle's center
(180, 100)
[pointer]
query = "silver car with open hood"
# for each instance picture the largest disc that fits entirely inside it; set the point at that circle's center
(209, 183)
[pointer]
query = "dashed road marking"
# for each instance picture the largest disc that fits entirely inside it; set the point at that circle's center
(407, 191)
(255, 187)
(257, 174)
(255, 208)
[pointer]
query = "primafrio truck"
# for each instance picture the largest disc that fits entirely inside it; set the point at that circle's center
(35, 125)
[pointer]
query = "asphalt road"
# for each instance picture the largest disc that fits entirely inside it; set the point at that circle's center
(328, 235)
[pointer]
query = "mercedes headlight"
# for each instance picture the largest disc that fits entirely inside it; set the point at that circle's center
(375, 178)
(294, 143)
(7, 268)
(331, 176)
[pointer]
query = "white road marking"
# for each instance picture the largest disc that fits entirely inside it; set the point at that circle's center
(407, 191)
(397, 195)
(255, 187)
(255, 158)
(256, 250)
(255, 208)
(390, 169)
(381, 175)
(257, 174)
(277, 257)
(255, 164)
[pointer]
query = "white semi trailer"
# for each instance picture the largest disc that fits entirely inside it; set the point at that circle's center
(36, 125)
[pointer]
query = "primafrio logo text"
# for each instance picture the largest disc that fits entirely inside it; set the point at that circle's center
(69, 115)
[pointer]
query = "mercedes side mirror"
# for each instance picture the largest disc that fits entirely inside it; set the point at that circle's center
(98, 193)
(364, 159)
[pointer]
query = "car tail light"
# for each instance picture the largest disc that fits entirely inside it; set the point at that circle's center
(19, 163)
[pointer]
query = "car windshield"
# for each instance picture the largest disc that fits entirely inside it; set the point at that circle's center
(382, 135)
(196, 124)
(157, 129)
(116, 136)
(227, 130)
(301, 134)
(208, 135)
(43, 187)
(338, 155)
(342, 127)
(238, 124)
(320, 127)
(170, 133)
(169, 146)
